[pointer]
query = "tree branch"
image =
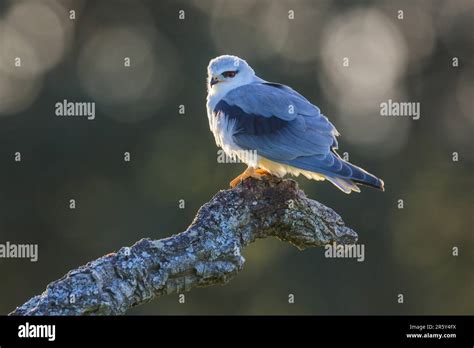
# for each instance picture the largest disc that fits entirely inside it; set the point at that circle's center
(208, 253)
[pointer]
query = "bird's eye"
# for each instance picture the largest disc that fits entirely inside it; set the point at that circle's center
(227, 74)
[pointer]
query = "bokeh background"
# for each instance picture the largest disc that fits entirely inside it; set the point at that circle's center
(174, 157)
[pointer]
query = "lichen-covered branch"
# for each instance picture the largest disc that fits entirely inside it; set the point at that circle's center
(208, 253)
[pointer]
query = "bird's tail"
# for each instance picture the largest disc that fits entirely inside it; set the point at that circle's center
(357, 175)
(344, 175)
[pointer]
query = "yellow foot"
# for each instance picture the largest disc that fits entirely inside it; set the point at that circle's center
(249, 172)
(262, 172)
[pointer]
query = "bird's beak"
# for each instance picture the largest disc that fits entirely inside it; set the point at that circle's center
(214, 80)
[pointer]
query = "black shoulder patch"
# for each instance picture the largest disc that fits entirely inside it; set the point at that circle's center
(250, 124)
(274, 84)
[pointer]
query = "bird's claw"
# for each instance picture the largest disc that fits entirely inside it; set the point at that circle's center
(249, 173)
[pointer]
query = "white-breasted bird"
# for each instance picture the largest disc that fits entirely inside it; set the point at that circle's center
(287, 134)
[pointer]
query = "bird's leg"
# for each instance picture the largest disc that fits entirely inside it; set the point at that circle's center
(262, 172)
(249, 172)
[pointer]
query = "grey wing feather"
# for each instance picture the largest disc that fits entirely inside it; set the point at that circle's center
(278, 122)
(283, 126)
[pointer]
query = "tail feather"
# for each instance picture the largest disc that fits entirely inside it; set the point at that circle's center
(360, 176)
(342, 174)
(346, 186)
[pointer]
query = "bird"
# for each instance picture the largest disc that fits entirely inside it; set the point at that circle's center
(274, 129)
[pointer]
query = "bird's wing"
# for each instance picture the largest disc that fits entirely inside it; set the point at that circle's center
(282, 126)
(279, 123)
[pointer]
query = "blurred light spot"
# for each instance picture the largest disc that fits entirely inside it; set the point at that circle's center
(16, 49)
(375, 48)
(417, 27)
(102, 70)
(377, 57)
(304, 30)
(126, 93)
(16, 93)
(34, 37)
(33, 31)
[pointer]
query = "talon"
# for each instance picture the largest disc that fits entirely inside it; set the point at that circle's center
(236, 181)
(249, 173)
(262, 172)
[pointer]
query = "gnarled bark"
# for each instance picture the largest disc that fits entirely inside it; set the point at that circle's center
(208, 253)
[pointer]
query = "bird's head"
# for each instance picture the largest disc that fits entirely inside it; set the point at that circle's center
(225, 73)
